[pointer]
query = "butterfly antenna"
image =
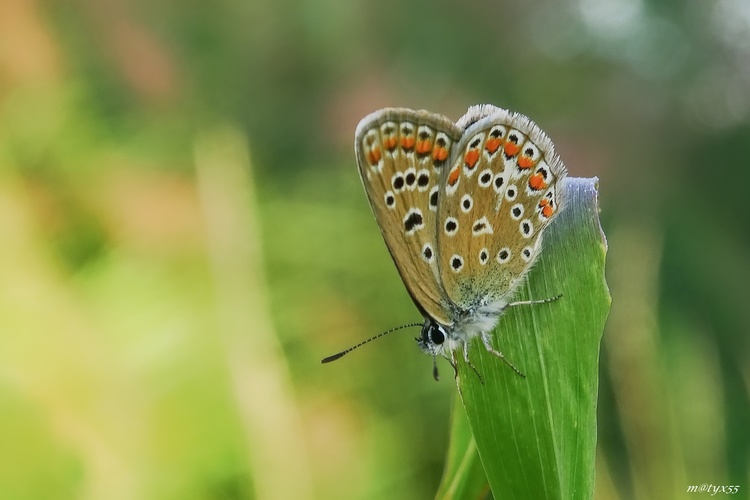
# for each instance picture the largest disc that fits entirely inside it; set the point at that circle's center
(347, 351)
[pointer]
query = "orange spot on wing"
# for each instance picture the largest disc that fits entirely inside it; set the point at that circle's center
(390, 143)
(536, 182)
(492, 145)
(511, 148)
(407, 142)
(373, 156)
(471, 158)
(424, 147)
(453, 177)
(525, 162)
(440, 154)
(547, 208)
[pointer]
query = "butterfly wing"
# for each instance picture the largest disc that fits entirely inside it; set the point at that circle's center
(502, 190)
(401, 154)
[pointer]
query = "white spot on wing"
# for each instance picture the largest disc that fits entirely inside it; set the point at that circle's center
(511, 192)
(413, 221)
(433, 192)
(503, 255)
(485, 174)
(467, 203)
(484, 256)
(498, 183)
(527, 253)
(390, 200)
(422, 174)
(410, 175)
(516, 209)
(456, 263)
(481, 226)
(451, 222)
(428, 253)
(526, 228)
(395, 182)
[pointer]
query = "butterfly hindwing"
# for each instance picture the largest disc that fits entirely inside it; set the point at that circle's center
(496, 198)
(401, 155)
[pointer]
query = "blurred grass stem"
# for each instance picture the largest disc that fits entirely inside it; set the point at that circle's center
(259, 374)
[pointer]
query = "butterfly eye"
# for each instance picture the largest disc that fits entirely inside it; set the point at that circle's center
(436, 335)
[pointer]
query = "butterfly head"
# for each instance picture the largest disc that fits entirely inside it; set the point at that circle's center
(434, 338)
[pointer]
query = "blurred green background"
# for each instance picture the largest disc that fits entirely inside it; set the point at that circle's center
(183, 235)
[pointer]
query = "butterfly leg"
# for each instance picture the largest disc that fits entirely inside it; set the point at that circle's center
(471, 365)
(491, 350)
(452, 361)
(532, 302)
(435, 373)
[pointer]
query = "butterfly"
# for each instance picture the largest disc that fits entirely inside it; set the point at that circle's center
(462, 208)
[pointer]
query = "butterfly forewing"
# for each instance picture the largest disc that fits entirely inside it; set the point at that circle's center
(401, 155)
(498, 195)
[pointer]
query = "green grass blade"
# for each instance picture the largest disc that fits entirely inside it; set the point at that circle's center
(464, 475)
(536, 436)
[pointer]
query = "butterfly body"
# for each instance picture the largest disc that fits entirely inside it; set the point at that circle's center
(462, 208)
(470, 323)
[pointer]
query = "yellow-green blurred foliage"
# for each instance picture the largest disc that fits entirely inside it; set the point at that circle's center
(183, 236)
